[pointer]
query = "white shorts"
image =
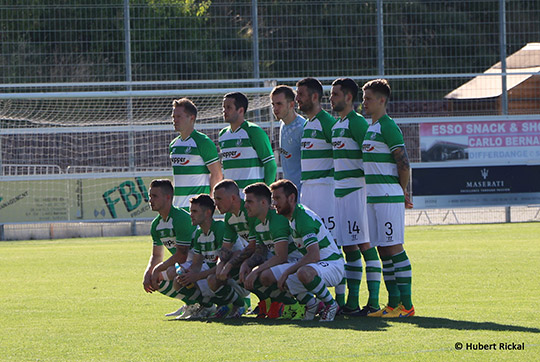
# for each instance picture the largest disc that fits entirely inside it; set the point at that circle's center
(386, 223)
(320, 199)
(351, 219)
(202, 284)
(331, 272)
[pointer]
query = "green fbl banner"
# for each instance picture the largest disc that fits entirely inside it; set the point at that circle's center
(75, 199)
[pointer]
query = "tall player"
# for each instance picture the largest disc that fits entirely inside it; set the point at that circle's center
(291, 126)
(351, 230)
(194, 156)
(321, 265)
(316, 152)
(387, 170)
(245, 147)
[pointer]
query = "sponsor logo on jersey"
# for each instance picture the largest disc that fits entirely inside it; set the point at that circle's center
(307, 145)
(285, 153)
(182, 161)
(338, 144)
(366, 147)
(231, 154)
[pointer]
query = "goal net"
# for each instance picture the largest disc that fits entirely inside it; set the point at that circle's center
(90, 156)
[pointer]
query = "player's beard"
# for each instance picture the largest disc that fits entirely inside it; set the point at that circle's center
(285, 210)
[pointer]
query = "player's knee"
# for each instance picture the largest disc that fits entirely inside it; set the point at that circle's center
(171, 273)
(267, 278)
(212, 282)
(306, 274)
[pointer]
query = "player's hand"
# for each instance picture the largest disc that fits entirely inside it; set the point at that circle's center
(187, 278)
(408, 202)
(147, 282)
(250, 279)
(244, 271)
(224, 274)
(281, 283)
(156, 279)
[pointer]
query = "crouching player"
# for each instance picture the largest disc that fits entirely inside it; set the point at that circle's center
(206, 245)
(237, 225)
(274, 246)
(321, 265)
(171, 228)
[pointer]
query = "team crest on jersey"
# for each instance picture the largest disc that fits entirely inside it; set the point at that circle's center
(222, 144)
(239, 142)
(313, 134)
(188, 149)
(341, 132)
(373, 136)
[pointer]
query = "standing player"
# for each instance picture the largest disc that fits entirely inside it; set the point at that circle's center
(194, 156)
(245, 147)
(291, 126)
(351, 230)
(387, 171)
(321, 265)
(274, 246)
(172, 228)
(316, 152)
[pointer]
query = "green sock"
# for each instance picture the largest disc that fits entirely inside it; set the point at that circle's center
(340, 292)
(373, 276)
(353, 273)
(403, 272)
(317, 287)
(390, 281)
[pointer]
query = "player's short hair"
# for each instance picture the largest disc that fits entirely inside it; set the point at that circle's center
(164, 184)
(289, 93)
(260, 190)
(204, 201)
(313, 86)
(379, 86)
(229, 186)
(288, 187)
(188, 105)
(240, 100)
(347, 86)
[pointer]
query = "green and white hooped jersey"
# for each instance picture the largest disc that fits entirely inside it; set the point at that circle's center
(273, 230)
(236, 226)
(382, 179)
(316, 151)
(307, 228)
(208, 245)
(190, 159)
(175, 230)
(347, 137)
(244, 153)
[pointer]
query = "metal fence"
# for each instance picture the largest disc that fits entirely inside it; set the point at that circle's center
(72, 72)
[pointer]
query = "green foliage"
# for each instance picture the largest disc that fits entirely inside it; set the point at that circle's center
(82, 300)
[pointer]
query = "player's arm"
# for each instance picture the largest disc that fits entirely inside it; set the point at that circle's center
(155, 259)
(404, 171)
(216, 175)
(193, 273)
(261, 144)
(312, 256)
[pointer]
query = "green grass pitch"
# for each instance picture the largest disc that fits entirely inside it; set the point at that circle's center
(82, 300)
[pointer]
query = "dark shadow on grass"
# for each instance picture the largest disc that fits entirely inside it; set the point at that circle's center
(373, 324)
